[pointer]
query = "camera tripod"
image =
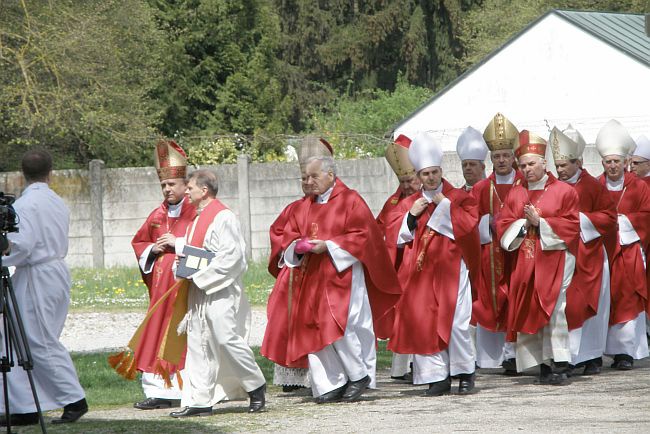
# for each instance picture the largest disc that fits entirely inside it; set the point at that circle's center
(15, 343)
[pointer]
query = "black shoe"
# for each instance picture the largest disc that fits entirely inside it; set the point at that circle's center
(510, 366)
(192, 412)
(292, 388)
(545, 374)
(558, 378)
(623, 362)
(592, 367)
(355, 389)
(156, 403)
(332, 396)
(72, 412)
(439, 387)
(20, 419)
(408, 377)
(466, 385)
(257, 399)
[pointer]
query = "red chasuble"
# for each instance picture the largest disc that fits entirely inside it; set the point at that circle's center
(490, 307)
(537, 277)
(646, 179)
(390, 231)
(629, 287)
(425, 313)
(584, 291)
(322, 295)
(281, 299)
(158, 282)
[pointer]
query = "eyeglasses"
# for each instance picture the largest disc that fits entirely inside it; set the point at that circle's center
(638, 163)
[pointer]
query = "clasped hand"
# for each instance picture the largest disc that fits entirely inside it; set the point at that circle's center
(531, 215)
(163, 243)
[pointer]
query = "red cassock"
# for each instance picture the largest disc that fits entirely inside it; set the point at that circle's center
(426, 311)
(584, 291)
(536, 279)
(629, 287)
(321, 295)
(159, 281)
(490, 285)
(276, 335)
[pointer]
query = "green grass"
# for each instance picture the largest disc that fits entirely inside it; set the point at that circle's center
(105, 388)
(121, 288)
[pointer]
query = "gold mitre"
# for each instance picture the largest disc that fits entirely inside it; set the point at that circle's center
(170, 160)
(397, 155)
(530, 143)
(500, 134)
(312, 146)
(613, 139)
(566, 145)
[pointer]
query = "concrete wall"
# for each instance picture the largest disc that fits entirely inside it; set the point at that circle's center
(106, 212)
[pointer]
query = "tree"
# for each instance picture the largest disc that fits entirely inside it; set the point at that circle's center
(75, 79)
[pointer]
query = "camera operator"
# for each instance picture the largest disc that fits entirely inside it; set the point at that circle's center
(42, 289)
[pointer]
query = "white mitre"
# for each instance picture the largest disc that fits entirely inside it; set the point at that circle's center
(613, 139)
(566, 145)
(425, 152)
(642, 147)
(471, 145)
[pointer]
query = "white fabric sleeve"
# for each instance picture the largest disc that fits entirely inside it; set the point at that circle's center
(405, 235)
(440, 220)
(627, 233)
(225, 239)
(588, 231)
(484, 229)
(146, 262)
(179, 245)
(341, 258)
(548, 238)
(511, 240)
(22, 242)
(290, 256)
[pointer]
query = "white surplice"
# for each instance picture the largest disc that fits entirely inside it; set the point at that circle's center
(219, 364)
(41, 285)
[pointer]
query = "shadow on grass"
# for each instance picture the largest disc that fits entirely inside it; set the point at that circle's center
(102, 426)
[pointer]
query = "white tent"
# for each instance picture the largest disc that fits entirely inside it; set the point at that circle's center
(582, 68)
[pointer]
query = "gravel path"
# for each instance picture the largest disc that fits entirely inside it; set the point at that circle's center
(98, 331)
(614, 401)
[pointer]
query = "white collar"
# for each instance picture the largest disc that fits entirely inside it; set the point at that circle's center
(36, 186)
(505, 179)
(615, 185)
(539, 185)
(428, 194)
(323, 198)
(174, 211)
(575, 177)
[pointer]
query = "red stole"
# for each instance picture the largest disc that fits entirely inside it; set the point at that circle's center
(537, 278)
(425, 313)
(203, 221)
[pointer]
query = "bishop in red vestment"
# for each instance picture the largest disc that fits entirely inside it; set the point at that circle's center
(438, 231)
(344, 286)
(165, 223)
(490, 307)
(397, 157)
(626, 339)
(540, 220)
(588, 295)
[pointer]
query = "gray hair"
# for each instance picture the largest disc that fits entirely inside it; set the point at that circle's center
(205, 178)
(327, 163)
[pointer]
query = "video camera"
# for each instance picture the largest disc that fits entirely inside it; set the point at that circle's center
(8, 219)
